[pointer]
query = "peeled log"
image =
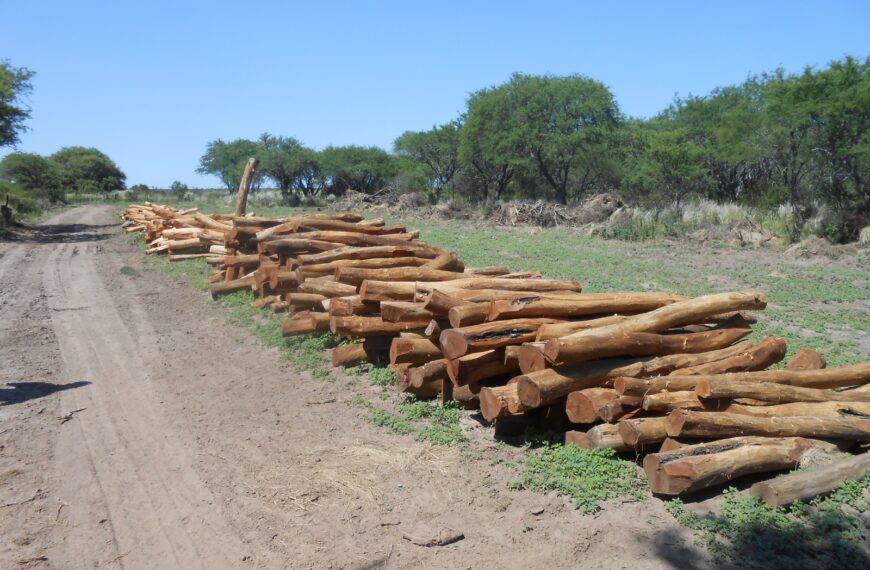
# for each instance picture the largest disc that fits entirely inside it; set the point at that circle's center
(643, 431)
(582, 406)
(819, 480)
(558, 330)
(843, 376)
(665, 402)
(326, 288)
(373, 263)
(473, 368)
(352, 305)
(693, 310)
(594, 346)
(769, 351)
(308, 300)
(355, 326)
(695, 467)
(501, 283)
(468, 314)
(241, 284)
(460, 341)
(440, 303)
(412, 351)
(435, 371)
(684, 423)
(582, 306)
(373, 252)
(806, 359)
(773, 393)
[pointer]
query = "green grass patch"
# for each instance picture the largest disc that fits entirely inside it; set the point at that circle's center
(130, 271)
(382, 377)
(427, 422)
(747, 533)
(589, 476)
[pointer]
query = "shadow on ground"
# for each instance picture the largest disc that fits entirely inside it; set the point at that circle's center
(59, 233)
(25, 391)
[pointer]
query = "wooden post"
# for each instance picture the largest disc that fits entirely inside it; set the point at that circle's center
(245, 187)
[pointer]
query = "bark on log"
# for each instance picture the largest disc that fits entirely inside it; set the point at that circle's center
(773, 393)
(440, 303)
(245, 187)
(355, 276)
(296, 246)
(604, 436)
(373, 263)
(840, 377)
(615, 410)
(531, 357)
(479, 366)
(468, 314)
(352, 305)
(435, 371)
(349, 355)
(769, 351)
(355, 326)
(582, 306)
(593, 346)
(326, 288)
(695, 467)
(813, 409)
(307, 300)
(373, 252)
(404, 311)
(305, 323)
(665, 402)
(819, 480)
(684, 423)
(693, 310)
(460, 341)
(806, 359)
(240, 284)
(559, 330)
(643, 431)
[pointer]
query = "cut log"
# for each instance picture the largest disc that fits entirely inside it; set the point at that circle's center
(479, 366)
(582, 306)
(813, 409)
(605, 436)
(245, 186)
(355, 275)
(356, 326)
(693, 310)
(543, 386)
(440, 303)
(241, 284)
(282, 281)
(773, 393)
(500, 283)
(558, 330)
(349, 355)
(374, 252)
(488, 271)
(806, 359)
(769, 351)
(695, 467)
(582, 406)
(486, 336)
(643, 431)
(352, 305)
(593, 346)
(296, 246)
(499, 402)
(326, 288)
(843, 376)
(408, 351)
(468, 314)
(434, 371)
(621, 407)
(531, 357)
(307, 300)
(305, 323)
(374, 263)
(819, 480)
(665, 402)
(404, 311)
(685, 423)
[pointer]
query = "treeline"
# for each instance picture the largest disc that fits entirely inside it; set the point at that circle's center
(774, 139)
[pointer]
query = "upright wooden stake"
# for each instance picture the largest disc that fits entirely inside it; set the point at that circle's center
(245, 187)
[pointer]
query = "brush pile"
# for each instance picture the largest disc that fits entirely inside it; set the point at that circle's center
(667, 376)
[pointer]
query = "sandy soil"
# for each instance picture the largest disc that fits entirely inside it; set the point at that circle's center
(138, 429)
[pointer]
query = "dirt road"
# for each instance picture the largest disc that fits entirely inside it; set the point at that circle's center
(139, 429)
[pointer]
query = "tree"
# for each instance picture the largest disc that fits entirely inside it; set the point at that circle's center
(227, 160)
(363, 169)
(14, 86)
(437, 149)
(35, 174)
(292, 166)
(178, 190)
(89, 170)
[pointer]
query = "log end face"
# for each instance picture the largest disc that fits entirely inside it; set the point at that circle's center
(528, 393)
(453, 344)
(675, 421)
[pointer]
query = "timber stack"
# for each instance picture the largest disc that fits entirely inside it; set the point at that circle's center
(667, 377)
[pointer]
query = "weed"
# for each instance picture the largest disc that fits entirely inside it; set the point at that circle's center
(392, 422)
(130, 271)
(589, 476)
(747, 533)
(382, 377)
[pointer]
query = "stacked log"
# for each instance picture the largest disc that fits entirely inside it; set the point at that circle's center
(657, 374)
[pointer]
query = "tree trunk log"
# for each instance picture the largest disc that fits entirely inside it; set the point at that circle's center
(355, 326)
(583, 306)
(241, 284)
(684, 423)
(695, 467)
(643, 431)
(500, 401)
(245, 187)
(409, 351)
(355, 276)
(582, 406)
(773, 393)
(479, 366)
(460, 341)
(404, 311)
(359, 253)
(806, 359)
(814, 409)
(326, 288)
(820, 480)
(769, 351)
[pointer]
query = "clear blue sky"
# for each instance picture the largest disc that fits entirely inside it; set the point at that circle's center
(150, 83)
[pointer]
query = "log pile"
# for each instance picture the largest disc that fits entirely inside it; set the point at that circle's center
(661, 375)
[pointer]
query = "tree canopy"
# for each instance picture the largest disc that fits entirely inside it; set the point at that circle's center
(89, 170)
(14, 87)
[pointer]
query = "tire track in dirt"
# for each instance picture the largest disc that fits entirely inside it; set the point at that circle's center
(119, 457)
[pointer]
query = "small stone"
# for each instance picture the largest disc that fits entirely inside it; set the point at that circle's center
(537, 510)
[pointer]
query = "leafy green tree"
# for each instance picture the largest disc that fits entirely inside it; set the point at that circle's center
(562, 123)
(437, 149)
(363, 169)
(669, 168)
(14, 86)
(89, 170)
(227, 160)
(37, 175)
(178, 190)
(292, 166)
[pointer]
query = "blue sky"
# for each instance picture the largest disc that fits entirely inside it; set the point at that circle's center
(150, 83)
